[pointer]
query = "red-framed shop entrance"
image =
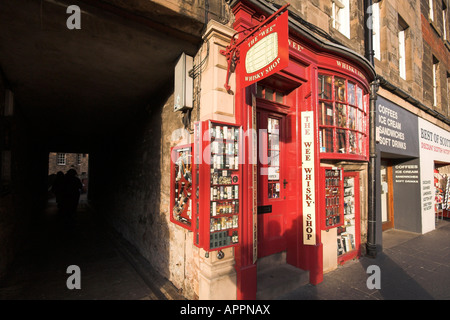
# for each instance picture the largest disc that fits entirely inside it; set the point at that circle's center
(298, 84)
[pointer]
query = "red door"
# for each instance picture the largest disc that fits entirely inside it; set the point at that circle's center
(272, 183)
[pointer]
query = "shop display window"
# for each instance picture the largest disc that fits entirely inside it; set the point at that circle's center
(348, 234)
(342, 113)
(181, 186)
(340, 209)
(442, 194)
(217, 222)
(333, 201)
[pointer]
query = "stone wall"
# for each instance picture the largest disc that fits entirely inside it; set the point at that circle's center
(132, 192)
(435, 49)
(24, 182)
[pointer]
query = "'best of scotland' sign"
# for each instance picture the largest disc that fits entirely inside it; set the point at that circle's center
(266, 52)
(308, 181)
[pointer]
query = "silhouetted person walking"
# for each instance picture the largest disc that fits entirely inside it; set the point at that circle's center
(57, 187)
(71, 194)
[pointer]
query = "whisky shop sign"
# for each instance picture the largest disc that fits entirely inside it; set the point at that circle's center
(263, 50)
(267, 52)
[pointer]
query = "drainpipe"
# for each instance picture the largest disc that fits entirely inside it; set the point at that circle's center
(372, 217)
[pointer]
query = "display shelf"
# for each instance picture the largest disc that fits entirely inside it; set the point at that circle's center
(218, 196)
(333, 202)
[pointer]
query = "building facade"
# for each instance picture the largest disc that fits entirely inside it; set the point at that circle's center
(411, 60)
(305, 130)
(331, 82)
(61, 161)
(303, 150)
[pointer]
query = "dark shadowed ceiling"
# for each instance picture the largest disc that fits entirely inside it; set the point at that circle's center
(78, 84)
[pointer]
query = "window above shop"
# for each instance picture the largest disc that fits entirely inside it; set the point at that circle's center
(376, 30)
(403, 28)
(444, 21)
(342, 112)
(431, 12)
(341, 16)
(435, 82)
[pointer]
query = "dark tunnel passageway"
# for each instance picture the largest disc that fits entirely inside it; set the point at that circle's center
(102, 90)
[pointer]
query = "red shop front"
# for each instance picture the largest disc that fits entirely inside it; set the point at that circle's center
(289, 175)
(311, 120)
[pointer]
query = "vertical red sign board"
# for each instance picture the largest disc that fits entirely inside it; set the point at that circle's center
(266, 52)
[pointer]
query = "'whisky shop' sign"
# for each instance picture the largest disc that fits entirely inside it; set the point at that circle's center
(266, 52)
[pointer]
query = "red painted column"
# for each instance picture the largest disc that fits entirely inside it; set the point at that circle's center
(245, 268)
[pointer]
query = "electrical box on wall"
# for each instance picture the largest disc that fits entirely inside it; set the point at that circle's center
(184, 84)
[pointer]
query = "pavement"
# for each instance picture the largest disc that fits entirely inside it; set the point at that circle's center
(411, 267)
(109, 268)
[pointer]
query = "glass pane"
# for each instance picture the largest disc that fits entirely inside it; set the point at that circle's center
(361, 144)
(274, 142)
(352, 142)
(259, 91)
(339, 89)
(279, 97)
(326, 114)
(366, 99)
(351, 118)
(341, 115)
(326, 140)
(273, 126)
(360, 98)
(274, 190)
(351, 93)
(359, 121)
(273, 129)
(325, 91)
(274, 158)
(269, 94)
(341, 141)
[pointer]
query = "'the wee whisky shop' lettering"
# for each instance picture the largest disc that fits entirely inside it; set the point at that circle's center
(348, 67)
(308, 183)
(294, 45)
